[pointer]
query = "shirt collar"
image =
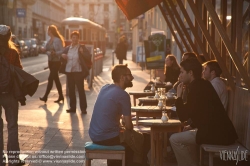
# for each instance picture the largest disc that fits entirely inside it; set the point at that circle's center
(74, 46)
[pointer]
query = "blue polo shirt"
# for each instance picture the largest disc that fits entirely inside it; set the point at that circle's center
(111, 103)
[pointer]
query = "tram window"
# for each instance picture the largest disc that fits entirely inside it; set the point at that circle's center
(89, 35)
(80, 33)
(67, 34)
(84, 34)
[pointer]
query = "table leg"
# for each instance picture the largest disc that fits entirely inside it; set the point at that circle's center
(134, 100)
(152, 148)
(161, 148)
(156, 148)
(137, 118)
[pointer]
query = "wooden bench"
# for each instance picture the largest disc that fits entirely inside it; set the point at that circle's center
(94, 151)
(212, 149)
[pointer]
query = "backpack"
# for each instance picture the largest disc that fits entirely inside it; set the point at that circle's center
(5, 75)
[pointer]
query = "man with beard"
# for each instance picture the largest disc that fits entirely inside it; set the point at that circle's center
(112, 103)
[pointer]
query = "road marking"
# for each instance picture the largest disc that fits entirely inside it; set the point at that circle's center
(39, 72)
(44, 82)
(105, 69)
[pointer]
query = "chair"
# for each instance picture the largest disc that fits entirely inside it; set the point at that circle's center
(212, 149)
(94, 151)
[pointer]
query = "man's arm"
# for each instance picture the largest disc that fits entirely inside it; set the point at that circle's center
(128, 122)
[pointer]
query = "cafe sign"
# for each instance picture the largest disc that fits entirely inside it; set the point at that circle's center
(155, 50)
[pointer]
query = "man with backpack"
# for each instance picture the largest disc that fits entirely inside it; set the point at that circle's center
(77, 62)
(8, 55)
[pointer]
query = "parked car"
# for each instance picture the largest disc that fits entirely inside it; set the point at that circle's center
(42, 47)
(33, 46)
(24, 50)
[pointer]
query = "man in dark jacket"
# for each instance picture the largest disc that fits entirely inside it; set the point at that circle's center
(210, 122)
(8, 101)
(121, 49)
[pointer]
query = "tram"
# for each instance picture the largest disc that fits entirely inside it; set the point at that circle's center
(90, 32)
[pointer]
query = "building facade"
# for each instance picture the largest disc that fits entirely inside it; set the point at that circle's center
(103, 12)
(45, 13)
(30, 18)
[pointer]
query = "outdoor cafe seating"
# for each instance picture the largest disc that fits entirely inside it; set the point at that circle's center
(153, 116)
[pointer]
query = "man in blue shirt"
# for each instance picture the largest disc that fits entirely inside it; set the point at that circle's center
(112, 103)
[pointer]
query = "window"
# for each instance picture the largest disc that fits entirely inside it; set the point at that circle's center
(106, 24)
(76, 7)
(106, 7)
(67, 34)
(91, 7)
(25, 32)
(84, 34)
(19, 31)
(80, 33)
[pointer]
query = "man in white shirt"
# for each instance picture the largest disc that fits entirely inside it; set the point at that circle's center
(212, 72)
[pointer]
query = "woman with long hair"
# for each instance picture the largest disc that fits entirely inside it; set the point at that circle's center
(172, 69)
(8, 55)
(54, 49)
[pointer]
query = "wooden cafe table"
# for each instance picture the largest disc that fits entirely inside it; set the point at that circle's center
(157, 138)
(138, 94)
(147, 111)
(150, 100)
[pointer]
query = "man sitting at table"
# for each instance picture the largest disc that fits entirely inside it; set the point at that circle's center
(185, 56)
(212, 72)
(112, 102)
(206, 111)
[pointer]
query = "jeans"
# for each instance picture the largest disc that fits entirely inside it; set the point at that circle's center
(54, 67)
(128, 151)
(10, 105)
(76, 79)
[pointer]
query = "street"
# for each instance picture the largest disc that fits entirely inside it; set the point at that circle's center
(48, 126)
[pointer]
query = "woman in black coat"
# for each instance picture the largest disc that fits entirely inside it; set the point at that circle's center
(172, 69)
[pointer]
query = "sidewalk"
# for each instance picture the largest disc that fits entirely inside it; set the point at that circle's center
(46, 131)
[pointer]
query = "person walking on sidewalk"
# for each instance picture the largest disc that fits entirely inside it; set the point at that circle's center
(76, 56)
(54, 49)
(9, 52)
(121, 49)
